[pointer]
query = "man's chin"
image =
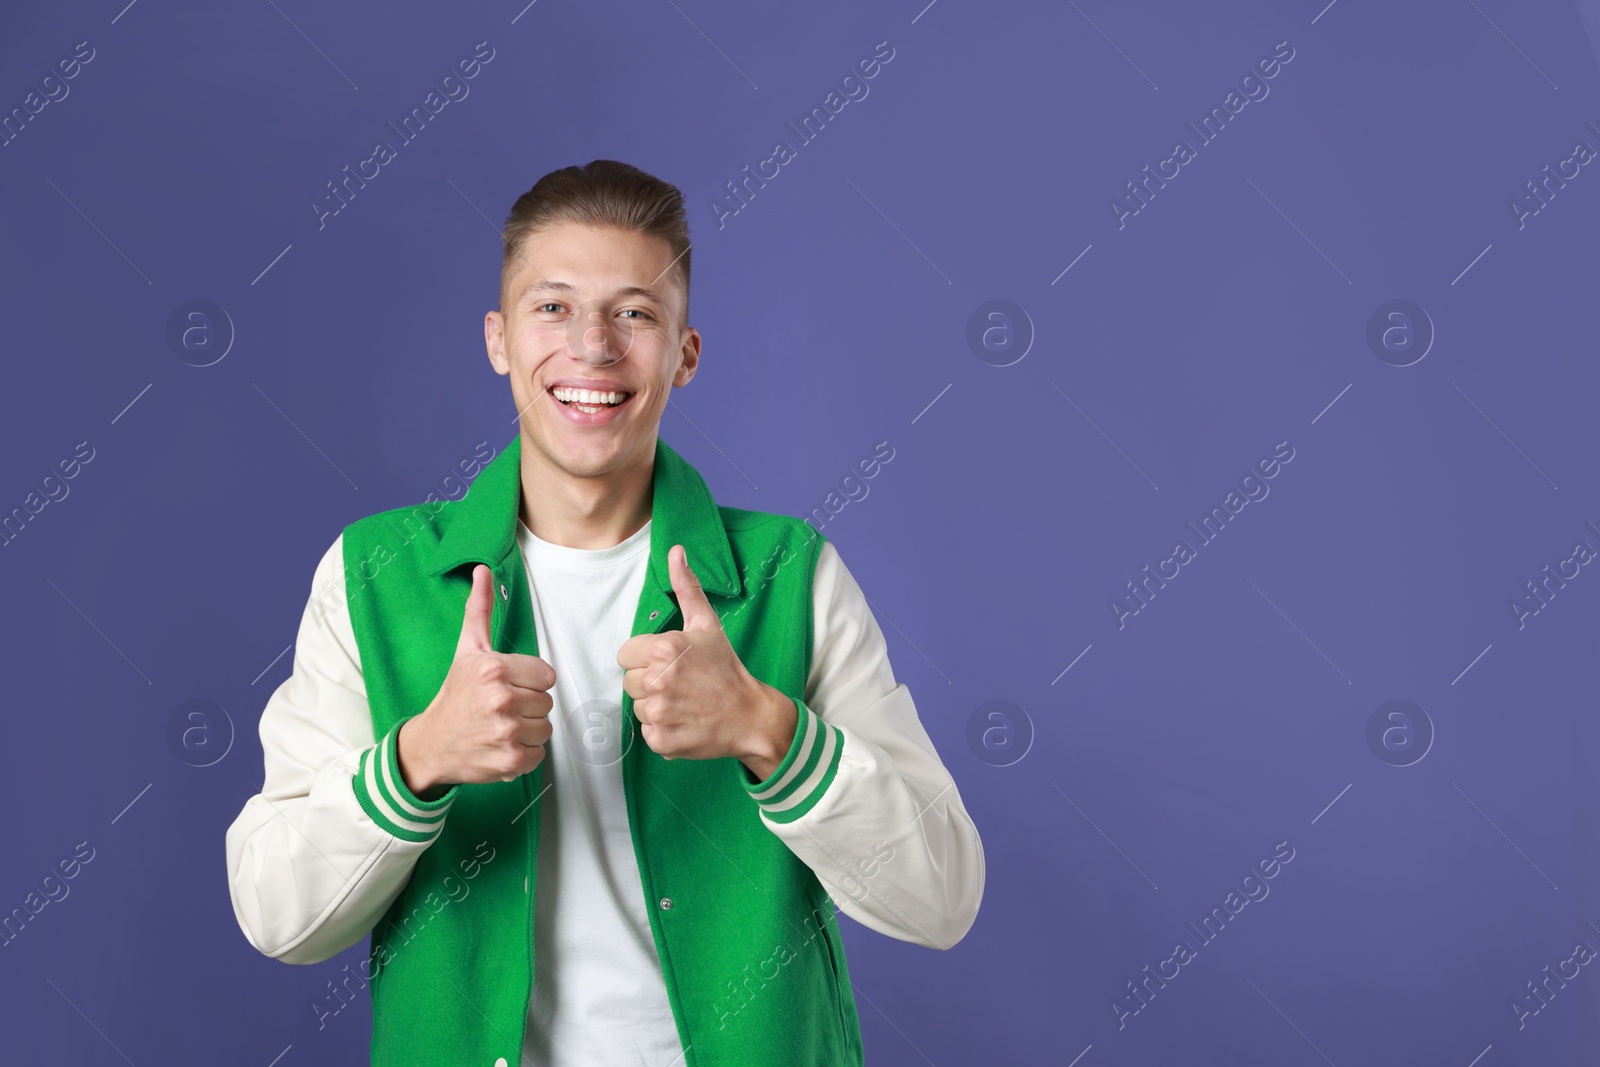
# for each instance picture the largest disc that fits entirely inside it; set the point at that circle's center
(585, 455)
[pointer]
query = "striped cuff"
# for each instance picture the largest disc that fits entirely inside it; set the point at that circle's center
(384, 797)
(796, 784)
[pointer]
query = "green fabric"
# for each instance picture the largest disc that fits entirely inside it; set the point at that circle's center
(751, 953)
(805, 773)
(382, 792)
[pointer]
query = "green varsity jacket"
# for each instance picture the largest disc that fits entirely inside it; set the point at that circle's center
(750, 950)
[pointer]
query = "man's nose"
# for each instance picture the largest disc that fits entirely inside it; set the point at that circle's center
(596, 342)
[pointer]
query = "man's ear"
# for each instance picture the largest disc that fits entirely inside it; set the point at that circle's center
(691, 357)
(494, 340)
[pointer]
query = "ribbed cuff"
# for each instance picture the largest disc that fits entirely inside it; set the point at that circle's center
(384, 797)
(808, 768)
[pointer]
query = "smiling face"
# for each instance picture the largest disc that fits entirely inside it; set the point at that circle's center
(591, 334)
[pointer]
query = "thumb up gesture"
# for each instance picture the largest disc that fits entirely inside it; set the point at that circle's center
(691, 693)
(491, 717)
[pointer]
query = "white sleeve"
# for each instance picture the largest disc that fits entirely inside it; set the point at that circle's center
(318, 855)
(862, 795)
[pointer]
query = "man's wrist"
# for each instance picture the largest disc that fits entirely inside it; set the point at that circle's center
(776, 718)
(414, 770)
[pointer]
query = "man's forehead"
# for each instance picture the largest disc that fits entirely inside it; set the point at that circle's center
(577, 261)
(656, 294)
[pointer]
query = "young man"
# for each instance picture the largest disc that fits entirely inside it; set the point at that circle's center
(603, 813)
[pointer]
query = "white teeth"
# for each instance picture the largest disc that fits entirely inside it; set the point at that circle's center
(587, 396)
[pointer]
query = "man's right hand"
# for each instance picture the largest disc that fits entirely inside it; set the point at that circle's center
(491, 717)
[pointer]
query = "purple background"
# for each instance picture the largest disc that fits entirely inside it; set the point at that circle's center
(1223, 318)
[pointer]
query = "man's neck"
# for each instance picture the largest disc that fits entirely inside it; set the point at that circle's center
(587, 513)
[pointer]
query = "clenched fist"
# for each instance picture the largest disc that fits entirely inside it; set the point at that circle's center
(491, 717)
(691, 693)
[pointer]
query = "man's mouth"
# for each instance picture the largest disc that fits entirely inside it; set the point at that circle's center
(589, 401)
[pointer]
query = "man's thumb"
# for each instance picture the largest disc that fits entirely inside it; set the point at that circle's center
(480, 611)
(698, 614)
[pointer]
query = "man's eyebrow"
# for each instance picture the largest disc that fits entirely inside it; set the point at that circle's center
(641, 291)
(545, 285)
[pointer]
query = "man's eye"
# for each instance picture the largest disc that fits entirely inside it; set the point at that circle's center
(636, 311)
(548, 307)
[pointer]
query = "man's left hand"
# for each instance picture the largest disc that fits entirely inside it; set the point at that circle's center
(692, 695)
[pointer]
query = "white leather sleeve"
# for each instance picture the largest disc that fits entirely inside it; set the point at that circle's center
(862, 795)
(313, 860)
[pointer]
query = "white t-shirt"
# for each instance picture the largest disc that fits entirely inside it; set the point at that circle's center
(599, 998)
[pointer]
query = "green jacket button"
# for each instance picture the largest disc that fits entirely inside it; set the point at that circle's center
(666, 903)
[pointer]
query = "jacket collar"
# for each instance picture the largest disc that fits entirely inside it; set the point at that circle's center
(482, 526)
